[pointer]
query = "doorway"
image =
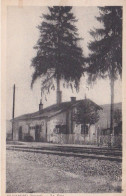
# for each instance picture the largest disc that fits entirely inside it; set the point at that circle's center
(20, 133)
(37, 133)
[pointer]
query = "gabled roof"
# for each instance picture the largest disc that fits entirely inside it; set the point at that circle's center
(55, 109)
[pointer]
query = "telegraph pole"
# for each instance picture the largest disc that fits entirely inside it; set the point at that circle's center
(13, 109)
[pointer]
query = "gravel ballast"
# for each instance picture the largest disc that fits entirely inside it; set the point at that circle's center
(34, 172)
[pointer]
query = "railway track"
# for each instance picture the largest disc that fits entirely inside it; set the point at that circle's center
(113, 154)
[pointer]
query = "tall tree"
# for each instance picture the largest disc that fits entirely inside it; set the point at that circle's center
(58, 53)
(105, 59)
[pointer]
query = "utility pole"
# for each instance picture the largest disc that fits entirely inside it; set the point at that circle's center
(13, 109)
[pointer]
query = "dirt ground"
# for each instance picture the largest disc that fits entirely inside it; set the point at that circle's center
(40, 173)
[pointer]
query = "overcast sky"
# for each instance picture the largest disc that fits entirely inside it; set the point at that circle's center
(22, 35)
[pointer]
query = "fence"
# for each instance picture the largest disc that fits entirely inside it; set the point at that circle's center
(102, 140)
(110, 140)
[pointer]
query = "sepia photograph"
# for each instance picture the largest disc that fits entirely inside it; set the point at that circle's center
(64, 99)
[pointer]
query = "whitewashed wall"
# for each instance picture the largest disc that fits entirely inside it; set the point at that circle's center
(60, 119)
(25, 128)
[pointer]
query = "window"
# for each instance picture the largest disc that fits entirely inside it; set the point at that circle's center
(61, 129)
(57, 129)
(64, 129)
(84, 129)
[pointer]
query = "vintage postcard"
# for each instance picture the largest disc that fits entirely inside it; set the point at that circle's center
(63, 97)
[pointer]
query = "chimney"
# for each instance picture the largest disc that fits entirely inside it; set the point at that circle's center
(40, 105)
(73, 99)
(59, 97)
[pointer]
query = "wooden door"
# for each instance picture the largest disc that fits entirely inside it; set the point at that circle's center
(37, 133)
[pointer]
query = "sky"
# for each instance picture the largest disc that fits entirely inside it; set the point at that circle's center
(22, 35)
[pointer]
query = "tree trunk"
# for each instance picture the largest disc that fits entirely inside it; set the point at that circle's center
(58, 83)
(112, 106)
(58, 93)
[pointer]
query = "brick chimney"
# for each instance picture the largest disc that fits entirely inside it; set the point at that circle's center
(73, 99)
(40, 105)
(59, 97)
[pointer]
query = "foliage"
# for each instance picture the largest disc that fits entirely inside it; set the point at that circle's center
(105, 59)
(58, 53)
(117, 116)
(86, 114)
(118, 128)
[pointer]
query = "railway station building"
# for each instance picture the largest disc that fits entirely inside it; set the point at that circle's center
(56, 124)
